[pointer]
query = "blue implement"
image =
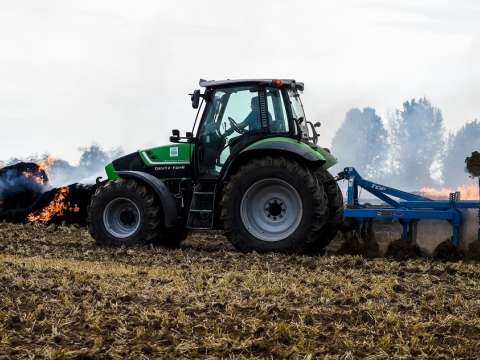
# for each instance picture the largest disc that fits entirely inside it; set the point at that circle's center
(408, 209)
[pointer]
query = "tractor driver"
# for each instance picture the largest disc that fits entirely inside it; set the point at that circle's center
(252, 121)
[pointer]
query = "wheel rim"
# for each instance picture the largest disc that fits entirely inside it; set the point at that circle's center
(271, 209)
(121, 217)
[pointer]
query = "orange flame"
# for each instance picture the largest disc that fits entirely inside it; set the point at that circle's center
(45, 164)
(57, 206)
(467, 192)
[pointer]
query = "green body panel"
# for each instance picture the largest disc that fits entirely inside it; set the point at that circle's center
(315, 152)
(111, 173)
(173, 154)
(174, 160)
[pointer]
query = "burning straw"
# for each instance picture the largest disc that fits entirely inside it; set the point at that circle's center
(26, 196)
(57, 207)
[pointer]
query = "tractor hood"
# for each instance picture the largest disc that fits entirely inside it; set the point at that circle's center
(168, 161)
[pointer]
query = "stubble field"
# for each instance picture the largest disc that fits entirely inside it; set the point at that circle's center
(63, 297)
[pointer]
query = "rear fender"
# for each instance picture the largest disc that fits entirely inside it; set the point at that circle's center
(288, 145)
(280, 146)
(167, 200)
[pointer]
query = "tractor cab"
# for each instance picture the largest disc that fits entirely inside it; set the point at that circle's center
(237, 113)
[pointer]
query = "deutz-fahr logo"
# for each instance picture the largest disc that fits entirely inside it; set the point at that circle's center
(169, 167)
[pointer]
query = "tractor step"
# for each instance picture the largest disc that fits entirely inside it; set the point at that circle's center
(200, 215)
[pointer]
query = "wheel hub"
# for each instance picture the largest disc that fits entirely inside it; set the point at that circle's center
(275, 209)
(127, 217)
(121, 218)
(271, 209)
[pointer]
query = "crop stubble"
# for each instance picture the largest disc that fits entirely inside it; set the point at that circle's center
(63, 297)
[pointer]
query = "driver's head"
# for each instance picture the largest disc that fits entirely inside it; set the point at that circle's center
(255, 104)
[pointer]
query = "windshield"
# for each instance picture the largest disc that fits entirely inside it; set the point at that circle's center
(297, 112)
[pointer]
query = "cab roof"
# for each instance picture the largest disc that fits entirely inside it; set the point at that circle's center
(268, 82)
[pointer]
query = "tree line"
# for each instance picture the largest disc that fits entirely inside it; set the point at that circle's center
(411, 149)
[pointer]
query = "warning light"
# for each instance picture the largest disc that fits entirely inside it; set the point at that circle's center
(277, 83)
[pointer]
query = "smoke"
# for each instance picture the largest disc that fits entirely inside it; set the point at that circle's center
(91, 164)
(361, 142)
(21, 184)
(27, 194)
(416, 144)
(411, 150)
(15, 182)
(459, 146)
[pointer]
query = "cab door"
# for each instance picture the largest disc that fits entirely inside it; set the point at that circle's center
(230, 113)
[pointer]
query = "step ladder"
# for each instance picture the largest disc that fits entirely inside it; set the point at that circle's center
(200, 215)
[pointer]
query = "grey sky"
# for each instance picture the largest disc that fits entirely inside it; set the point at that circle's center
(118, 72)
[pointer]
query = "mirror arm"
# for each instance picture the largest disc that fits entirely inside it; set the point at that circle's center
(315, 135)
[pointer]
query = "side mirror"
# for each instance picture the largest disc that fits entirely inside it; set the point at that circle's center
(195, 97)
(314, 135)
(300, 86)
(175, 136)
(317, 124)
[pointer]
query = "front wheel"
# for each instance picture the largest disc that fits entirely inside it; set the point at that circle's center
(124, 212)
(273, 204)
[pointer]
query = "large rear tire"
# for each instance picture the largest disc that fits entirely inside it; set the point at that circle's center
(124, 212)
(273, 204)
(335, 207)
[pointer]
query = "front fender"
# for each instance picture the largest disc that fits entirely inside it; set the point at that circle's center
(167, 200)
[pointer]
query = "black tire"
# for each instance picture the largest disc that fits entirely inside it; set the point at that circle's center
(313, 202)
(147, 205)
(335, 207)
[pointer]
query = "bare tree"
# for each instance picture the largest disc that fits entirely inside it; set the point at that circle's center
(416, 143)
(361, 141)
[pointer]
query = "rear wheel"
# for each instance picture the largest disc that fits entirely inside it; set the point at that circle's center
(335, 207)
(124, 212)
(273, 204)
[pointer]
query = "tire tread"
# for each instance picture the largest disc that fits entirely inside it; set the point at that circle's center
(319, 214)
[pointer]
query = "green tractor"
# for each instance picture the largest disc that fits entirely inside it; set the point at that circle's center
(251, 167)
